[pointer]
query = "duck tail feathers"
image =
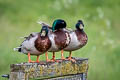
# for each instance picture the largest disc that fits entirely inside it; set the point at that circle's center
(43, 23)
(17, 49)
(23, 37)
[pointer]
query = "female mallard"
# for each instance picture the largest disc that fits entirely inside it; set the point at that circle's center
(35, 44)
(78, 39)
(58, 36)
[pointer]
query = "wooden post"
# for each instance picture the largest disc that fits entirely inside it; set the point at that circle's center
(65, 70)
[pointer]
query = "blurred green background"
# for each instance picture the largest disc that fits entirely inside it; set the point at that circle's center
(102, 25)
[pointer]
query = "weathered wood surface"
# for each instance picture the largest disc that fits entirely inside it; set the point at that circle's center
(64, 70)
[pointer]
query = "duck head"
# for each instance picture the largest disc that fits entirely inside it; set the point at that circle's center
(44, 31)
(58, 24)
(80, 25)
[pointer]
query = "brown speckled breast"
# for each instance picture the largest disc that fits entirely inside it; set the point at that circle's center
(62, 39)
(42, 44)
(82, 37)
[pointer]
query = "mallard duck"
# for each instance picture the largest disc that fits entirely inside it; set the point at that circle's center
(78, 39)
(35, 44)
(58, 36)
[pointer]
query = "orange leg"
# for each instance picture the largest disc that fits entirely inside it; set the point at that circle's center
(37, 59)
(47, 57)
(29, 59)
(62, 57)
(70, 55)
(53, 58)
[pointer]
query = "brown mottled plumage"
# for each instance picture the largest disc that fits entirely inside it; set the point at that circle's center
(60, 39)
(82, 37)
(42, 44)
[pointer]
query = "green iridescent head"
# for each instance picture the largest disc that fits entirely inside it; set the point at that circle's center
(58, 24)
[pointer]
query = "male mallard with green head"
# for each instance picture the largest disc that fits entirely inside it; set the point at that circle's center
(58, 36)
(35, 44)
(78, 39)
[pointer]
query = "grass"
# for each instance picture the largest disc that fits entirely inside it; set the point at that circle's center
(101, 18)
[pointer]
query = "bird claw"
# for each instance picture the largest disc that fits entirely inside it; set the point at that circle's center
(37, 61)
(73, 60)
(49, 60)
(31, 61)
(63, 58)
(52, 60)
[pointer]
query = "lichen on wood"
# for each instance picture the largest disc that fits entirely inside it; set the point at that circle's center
(48, 69)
